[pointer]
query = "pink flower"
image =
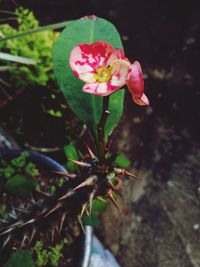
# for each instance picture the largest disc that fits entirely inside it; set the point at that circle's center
(136, 85)
(103, 68)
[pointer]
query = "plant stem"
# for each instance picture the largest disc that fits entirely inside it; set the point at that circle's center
(101, 128)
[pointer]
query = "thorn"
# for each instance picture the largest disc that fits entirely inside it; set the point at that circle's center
(52, 234)
(62, 221)
(91, 196)
(81, 224)
(6, 241)
(11, 228)
(88, 182)
(126, 173)
(54, 209)
(111, 197)
(80, 163)
(90, 152)
(108, 145)
(26, 223)
(28, 199)
(43, 194)
(6, 231)
(69, 175)
(23, 241)
(83, 209)
(115, 189)
(101, 199)
(66, 195)
(119, 182)
(32, 236)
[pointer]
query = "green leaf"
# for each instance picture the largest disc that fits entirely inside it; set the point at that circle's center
(71, 153)
(20, 185)
(91, 220)
(40, 29)
(20, 258)
(99, 205)
(54, 113)
(87, 107)
(122, 161)
(13, 58)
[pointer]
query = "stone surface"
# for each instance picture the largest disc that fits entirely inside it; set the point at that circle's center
(159, 220)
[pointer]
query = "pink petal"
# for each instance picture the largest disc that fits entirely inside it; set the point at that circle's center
(135, 82)
(121, 55)
(100, 89)
(85, 59)
(143, 101)
(81, 65)
(102, 51)
(118, 54)
(120, 72)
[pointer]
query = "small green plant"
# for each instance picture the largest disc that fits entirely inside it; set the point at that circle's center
(55, 253)
(41, 254)
(35, 46)
(31, 169)
(17, 164)
(20, 161)
(18, 174)
(50, 256)
(7, 171)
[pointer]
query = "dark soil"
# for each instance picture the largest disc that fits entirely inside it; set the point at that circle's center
(28, 121)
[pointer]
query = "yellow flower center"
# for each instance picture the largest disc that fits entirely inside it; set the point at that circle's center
(103, 74)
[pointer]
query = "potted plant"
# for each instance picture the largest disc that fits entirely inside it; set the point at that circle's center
(89, 55)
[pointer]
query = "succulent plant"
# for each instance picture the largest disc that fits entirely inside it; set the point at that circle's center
(52, 217)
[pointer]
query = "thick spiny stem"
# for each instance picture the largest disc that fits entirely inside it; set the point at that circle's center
(101, 128)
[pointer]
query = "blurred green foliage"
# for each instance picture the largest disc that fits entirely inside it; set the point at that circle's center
(98, 207)
(20, 185)
(70, 152)
(18, 174)
(36, 46)
(20, 258)
(50, 256)
(122, 161)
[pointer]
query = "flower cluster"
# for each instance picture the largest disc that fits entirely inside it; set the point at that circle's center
(105, 70)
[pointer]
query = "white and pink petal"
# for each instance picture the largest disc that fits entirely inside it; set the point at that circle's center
(142, 101)
(120, 72)
(136, 82)
(87, 58)
(100, 89)
(81, 65)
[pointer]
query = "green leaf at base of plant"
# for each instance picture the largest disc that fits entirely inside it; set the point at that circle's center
(20, 185)
(122, 161)
(70, 153)
(20, 258)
